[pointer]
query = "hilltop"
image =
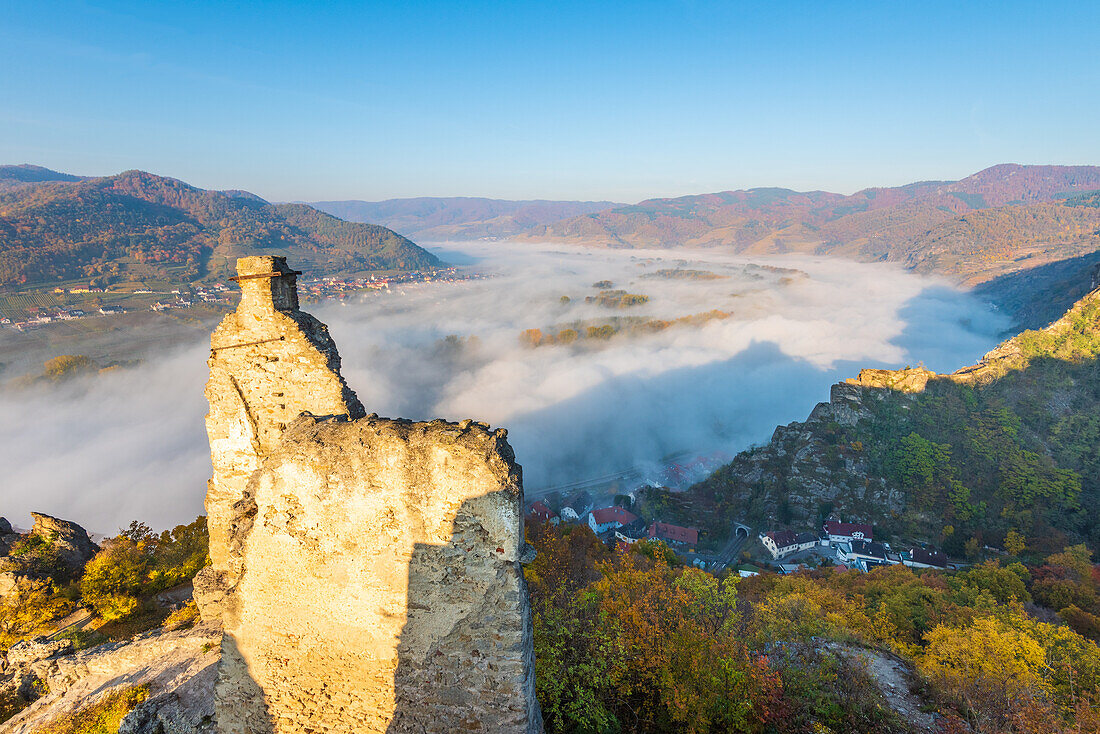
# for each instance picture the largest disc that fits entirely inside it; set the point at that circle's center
(439, 219)
(1002, 219)
(11, 176)
(139, 226)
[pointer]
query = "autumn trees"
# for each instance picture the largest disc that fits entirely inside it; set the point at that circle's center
(629, 640)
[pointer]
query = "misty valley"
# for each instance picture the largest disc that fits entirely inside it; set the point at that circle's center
(633, 401)
(586, 423)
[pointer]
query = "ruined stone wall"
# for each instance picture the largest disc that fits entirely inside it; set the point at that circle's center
(380, 587)
(269, 363)
(367, 571)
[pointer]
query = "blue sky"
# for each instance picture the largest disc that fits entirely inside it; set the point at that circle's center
(592, 100)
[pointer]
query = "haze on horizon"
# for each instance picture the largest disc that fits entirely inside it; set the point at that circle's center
(300, 101)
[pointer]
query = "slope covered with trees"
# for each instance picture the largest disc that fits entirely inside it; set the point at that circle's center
(135, 221)
(1009, 446)
(630, 640)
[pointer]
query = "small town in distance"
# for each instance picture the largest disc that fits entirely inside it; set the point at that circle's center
(35, 308)
(612, 518)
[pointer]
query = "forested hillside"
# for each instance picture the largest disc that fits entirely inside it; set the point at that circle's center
(437, 219)
(1003, 219)
(631, 640)
(139, 224)
(1009, 446)
(11, 176)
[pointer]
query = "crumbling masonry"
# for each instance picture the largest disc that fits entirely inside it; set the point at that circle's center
(366, 571)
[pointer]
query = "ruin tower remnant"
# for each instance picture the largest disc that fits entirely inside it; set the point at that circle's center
(366, 571)
(269, 363)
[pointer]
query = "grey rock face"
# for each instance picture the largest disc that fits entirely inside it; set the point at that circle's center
(71, 541)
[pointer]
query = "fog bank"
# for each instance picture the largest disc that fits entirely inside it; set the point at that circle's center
(131, 445)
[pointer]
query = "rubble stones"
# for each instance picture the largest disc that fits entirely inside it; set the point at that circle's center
(26, 652)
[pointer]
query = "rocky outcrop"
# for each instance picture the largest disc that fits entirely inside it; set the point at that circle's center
(178, 667)
(59, 553)
(813, 467)
(67, 539)
(366, 570)
(1007, 356)
(8, 536)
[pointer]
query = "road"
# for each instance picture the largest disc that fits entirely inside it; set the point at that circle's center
(728, 554)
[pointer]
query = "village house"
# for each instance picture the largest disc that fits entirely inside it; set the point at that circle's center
(923, 558)
(782, 543)
(632, 532)
(674, 533)
(609, 518)
(541, 513)
(847, 532)
(577, 508)
(862, 555)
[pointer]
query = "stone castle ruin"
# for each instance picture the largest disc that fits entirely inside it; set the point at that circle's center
(366, 571)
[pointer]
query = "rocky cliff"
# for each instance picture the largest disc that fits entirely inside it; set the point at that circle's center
(366, 571)
(1007, 443)
(53, 549)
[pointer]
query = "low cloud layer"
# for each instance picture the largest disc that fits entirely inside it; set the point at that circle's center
(131, 445)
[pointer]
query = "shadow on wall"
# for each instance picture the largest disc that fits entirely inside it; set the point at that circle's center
(236, 686)
(381, 586)
(465, 660)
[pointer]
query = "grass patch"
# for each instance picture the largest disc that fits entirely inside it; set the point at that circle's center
(82, 638)
(183, 618)
(102, 717)
(143, 621)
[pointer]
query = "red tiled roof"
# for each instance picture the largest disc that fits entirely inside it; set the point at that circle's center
(613, 514)
(541, 511)
(782, 538)
(664, 531)
(833, 527)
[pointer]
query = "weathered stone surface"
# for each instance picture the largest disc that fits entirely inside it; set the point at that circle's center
(8, 536)
(910, 379)
(178, 667)
(26, 652)
(366, 571)
(379, 585)
(269, 363)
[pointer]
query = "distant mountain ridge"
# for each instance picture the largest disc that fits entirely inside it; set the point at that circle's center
(1002, 219)
(137, 225)
(24, 173)
(748, 216)
(438, 219)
